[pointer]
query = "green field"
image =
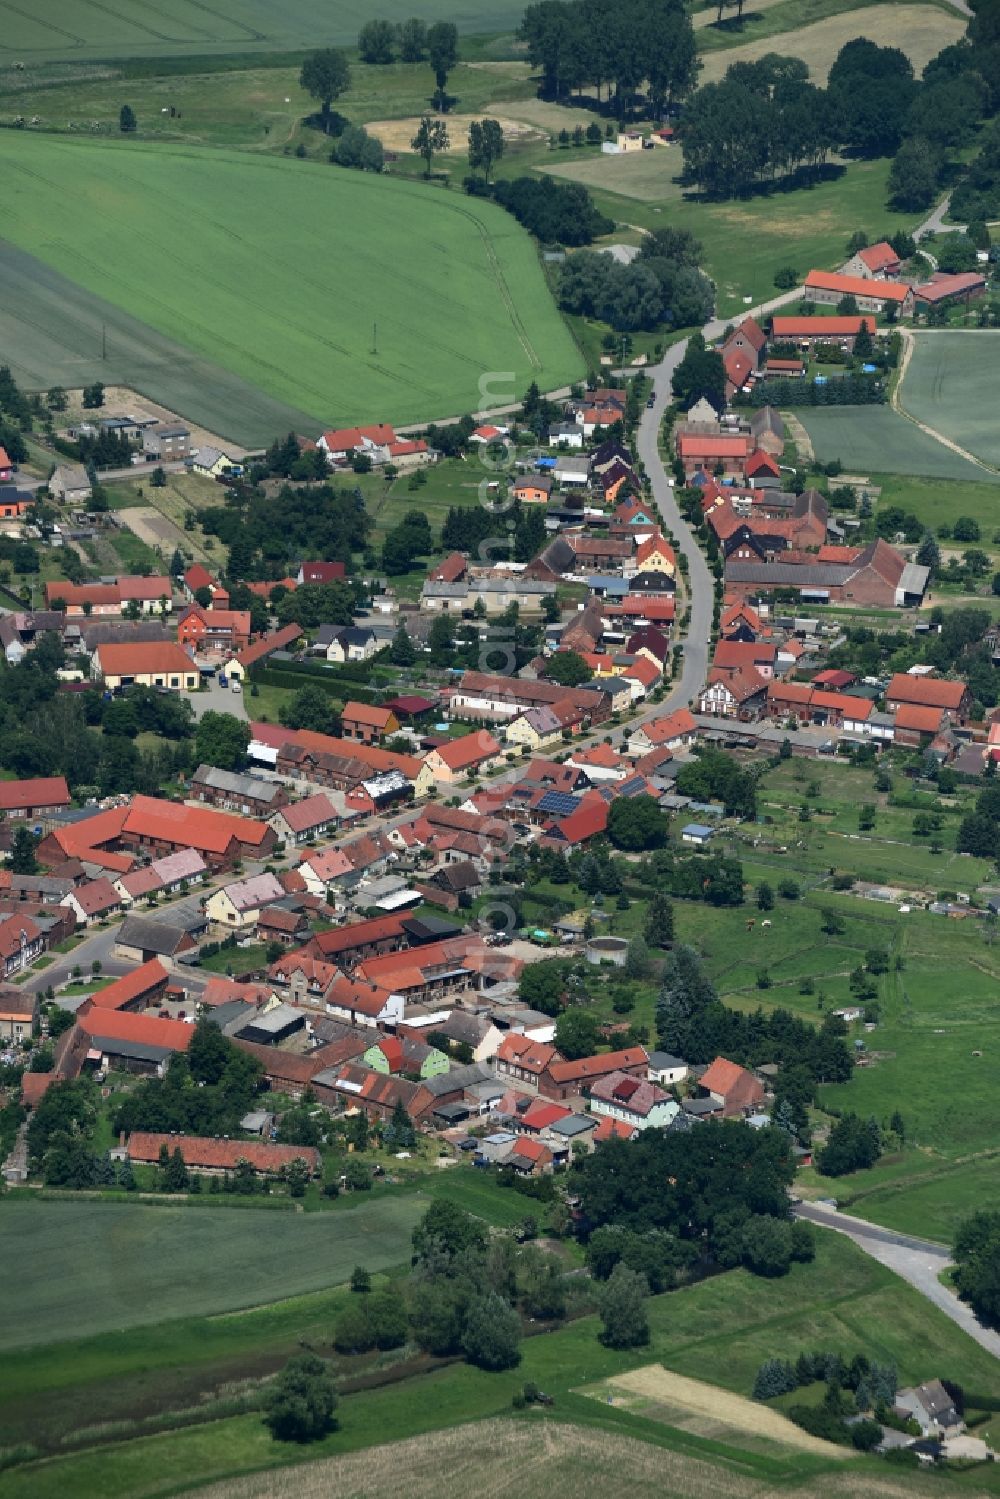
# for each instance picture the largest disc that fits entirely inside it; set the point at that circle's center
(76, 30)
(876, 439)
(288, 273)
(951, 383)
(719, 1330)
(147, 1263)
(937, 502)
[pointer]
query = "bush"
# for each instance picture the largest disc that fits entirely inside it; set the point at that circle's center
(299, 1406)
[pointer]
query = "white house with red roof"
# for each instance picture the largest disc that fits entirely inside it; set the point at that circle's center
(874, 263)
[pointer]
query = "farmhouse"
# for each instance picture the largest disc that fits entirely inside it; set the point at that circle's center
(249, 795)
(967, 286)
(367, 722)
(141, 939)
(147, 665)
(634, 1100)
(563, 1079)
(135, 991)
(874, 262)
(829, 287)
(134, 1043)
(731, 1088)
(810, 330)
(111, 599)
(299, 822)
(238, 906)
(217, 1156)
(21, 942)
(213, 629)
(710, 452)
(953, 697)
(876, 575)
(34, 798)
(451, 762)
(18, 1013)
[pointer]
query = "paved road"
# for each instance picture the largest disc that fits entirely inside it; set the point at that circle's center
(918, 1261)
(700, 581)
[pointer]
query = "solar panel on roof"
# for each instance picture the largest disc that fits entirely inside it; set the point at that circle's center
(559, 803)
(631, 787)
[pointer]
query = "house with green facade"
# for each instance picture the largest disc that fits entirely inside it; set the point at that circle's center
(391, 1054)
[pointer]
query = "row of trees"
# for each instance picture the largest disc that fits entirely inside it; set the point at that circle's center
(620, 47)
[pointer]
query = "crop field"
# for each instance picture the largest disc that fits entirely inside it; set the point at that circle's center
(53, 331)
(145, 1263)
(80, 29)
(876, 439)
(951, 383)
(289, 274)
(921, 31)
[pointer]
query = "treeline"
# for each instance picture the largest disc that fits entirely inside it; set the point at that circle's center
(662, 286)
(617, 45)
(264, 536)
(764, 121)
(720, 1190)
(561, 213)
(836, 390)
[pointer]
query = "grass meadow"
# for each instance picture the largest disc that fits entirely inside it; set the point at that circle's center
(941, 502)
(877, 440)
(951, 384)
(289, 274)
(719, 1330)
(147, 1263)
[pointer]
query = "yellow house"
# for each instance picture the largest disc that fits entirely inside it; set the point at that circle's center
(656, 555)
(629, 140)
(211, 462)
(425, 784)
(237, 907)
(160, 663)
(452, 762)
(542, 727)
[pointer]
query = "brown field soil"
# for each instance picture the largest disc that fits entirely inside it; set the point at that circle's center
(511, 1459)
(921, 31)
(709, 1411)
(396, 135)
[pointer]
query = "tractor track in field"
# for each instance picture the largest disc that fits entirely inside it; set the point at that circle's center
(896, 401)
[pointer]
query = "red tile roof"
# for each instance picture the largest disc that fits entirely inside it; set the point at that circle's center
(311, 812)
(370, 714)
(722, 1077)
(222, 1155)
(614, 1129)
(276, 641)
(357, 934)
(346, 439)
(933, 692)
(879, 257)
(459, 754)
(141, 982)
(585, 1068)
(822, 327)
(42, 791)
(142, 1030)
(713, 445)
(201, 828)
(922, 720)
(856, 286)
(138, 658)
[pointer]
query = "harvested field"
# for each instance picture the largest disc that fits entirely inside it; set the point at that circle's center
(645, 175)
(921, 31)
(506, 1459)
(397, 135)
(709, 1411)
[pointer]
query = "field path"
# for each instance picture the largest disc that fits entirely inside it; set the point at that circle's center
(919, 1261)
(909, 344)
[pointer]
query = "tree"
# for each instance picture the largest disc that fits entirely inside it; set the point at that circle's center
(126, 120)
(355, 148)
(767, 1245)
(221, 740)
(568, 668)
(93, 396)
(448, 1230)
(22, 851)
(915, 175)
(928, 552)
(361, 1281)
(325, 75)
(765, 897)
(431, 138)
(309, 707)
(977, 1264)
(774, 1377)
(543, 985)
(486, 145)
(576, 1034)
(659, 928)
(622, 1307)
(375, 42)
(492, 1333)
(299, 1405)
(441, 639)
(57, 399)
(636, 823)
(700, 373)
(854, 1144)
(173, 1172)
(966, 529)
(412, 39)
(442, 49)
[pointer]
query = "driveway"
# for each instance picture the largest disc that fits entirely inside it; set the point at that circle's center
(917, 1261)
(218, 699)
